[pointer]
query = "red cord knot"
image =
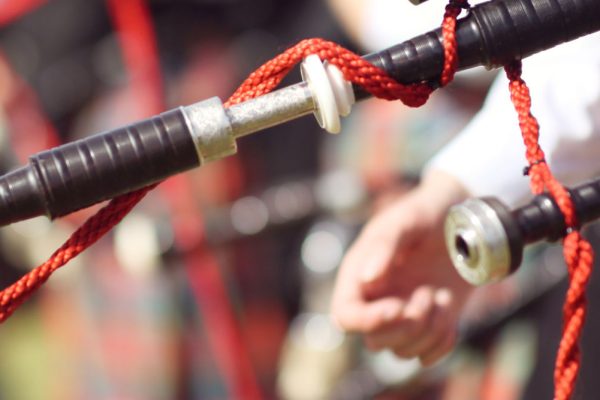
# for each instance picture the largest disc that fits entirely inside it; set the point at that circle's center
(513, 71)
(527, 169)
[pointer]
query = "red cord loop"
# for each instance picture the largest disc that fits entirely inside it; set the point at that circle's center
(354, 68)
(453, 9)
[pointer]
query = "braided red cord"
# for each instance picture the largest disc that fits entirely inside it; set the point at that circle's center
(449, 34)
(92, 230)
(354, 68)
(577, 251)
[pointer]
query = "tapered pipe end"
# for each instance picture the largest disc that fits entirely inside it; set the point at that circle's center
(481, 242)
(20, 196)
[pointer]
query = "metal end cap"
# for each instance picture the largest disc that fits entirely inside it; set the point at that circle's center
(477, 242)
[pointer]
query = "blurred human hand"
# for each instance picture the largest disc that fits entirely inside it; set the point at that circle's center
(396, 285)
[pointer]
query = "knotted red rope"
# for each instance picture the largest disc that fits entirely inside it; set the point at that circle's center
(577, 251)
(354, 68)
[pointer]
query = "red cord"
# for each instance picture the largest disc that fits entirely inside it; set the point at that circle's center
(355, 69)
(25, 114)
(133, 25)
(449, 35)
(86, 235)
(577, 251)
(13, 10)
(263, 80)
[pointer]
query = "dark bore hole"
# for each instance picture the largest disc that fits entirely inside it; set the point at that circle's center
(461, 247)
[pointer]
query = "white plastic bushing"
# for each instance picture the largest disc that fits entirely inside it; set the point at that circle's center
(332, 93)
(342, 89)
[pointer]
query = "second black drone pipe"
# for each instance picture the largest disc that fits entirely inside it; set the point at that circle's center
(542, 219)
(485, 239)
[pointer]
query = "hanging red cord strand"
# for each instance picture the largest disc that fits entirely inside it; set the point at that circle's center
(22, 107)
(577, 251)
(264, 79)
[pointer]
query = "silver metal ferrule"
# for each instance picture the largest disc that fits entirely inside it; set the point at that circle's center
(477, 242)
(211, 129)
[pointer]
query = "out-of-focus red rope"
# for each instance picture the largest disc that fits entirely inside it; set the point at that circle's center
(133, 25)
(13, 10)
(577, 251)
(263, 80)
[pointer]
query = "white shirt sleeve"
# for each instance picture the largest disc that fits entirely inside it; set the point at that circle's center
(488, 156)
(388, 22)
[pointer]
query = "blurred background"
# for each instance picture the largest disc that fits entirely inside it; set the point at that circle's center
(217, 285)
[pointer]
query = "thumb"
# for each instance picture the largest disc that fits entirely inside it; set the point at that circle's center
(383, 243)
(377, 268)
(377, 265)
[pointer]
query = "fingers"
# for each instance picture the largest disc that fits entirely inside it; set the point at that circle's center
(425, 329)
(378, 294)
(411, 324)
(377, 264)
(440, 350)
(365, 317)
(436, 331)
(382, 240)
(446, 329)
(353, 308)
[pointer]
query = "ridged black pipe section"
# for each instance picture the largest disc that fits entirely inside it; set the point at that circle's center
(84, 172)
(542, 219)
(492, 34)
(586, 198)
